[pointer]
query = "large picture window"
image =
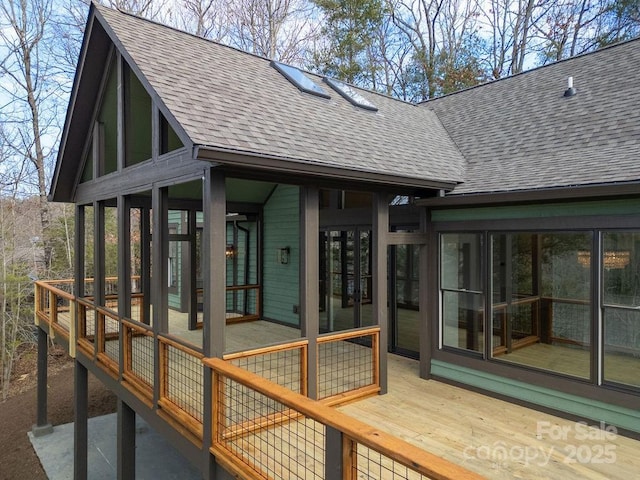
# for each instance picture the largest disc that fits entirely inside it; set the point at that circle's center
(462, 291)
(621, 307)
(541, 310)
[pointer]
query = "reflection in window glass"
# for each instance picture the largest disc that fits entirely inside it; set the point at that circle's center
(462, 298)
(541, 309)
(621, 317)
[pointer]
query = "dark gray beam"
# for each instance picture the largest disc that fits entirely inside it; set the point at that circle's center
(124, 267)
(120, 114)
(380, 231)
(309, 277)
(159, 286)
(175, 167)
(428, 295)
(126, 440)
(80, 419)
(98, 263)
(215, 243)
(42, 426)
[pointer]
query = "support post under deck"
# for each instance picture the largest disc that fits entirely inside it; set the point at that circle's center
(81, 427)
(126, 442)
(42, 426)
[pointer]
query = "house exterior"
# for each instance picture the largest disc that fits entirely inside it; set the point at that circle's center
(493, 233)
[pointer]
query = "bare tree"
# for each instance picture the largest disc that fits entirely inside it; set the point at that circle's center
(205, 18)
(33, 90)
(279, 29)
(151, 9)
(511, 26)
(572, 27)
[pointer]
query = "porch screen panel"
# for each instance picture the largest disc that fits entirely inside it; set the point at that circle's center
(621, 307)
(462, 298)
(111, 257)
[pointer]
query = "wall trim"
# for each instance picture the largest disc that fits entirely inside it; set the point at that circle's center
(624, 418)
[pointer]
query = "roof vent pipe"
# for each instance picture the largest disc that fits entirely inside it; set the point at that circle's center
(570, 91)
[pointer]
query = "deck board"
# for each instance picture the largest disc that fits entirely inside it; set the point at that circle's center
(449, 421)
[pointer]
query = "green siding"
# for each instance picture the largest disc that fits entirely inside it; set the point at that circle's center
(281, 229)
(582, 407)
(611, 207)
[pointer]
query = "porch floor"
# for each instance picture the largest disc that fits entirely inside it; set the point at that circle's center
(494, 438)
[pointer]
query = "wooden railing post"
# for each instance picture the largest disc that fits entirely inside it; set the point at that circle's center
(53, 307)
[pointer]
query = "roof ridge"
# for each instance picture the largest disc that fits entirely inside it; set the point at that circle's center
(535, 69)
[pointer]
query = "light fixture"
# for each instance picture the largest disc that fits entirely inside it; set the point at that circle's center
(283, 255)
(613, 259)
(230, 251)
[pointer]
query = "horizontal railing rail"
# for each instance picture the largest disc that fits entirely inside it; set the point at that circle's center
(303, 438)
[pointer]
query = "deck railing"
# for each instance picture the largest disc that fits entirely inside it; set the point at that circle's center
(181, 384)
(54, 306)
(348, 365)
(263, 430)
(284, 364)
(262, 403)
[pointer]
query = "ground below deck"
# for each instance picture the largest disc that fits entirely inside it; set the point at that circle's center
(18, 413)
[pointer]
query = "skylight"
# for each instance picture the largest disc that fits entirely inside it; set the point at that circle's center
(351, 94)
(299, 79)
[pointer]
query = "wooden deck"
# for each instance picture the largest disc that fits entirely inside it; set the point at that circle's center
(492, 437)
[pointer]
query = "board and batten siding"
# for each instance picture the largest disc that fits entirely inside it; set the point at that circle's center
(281, 283)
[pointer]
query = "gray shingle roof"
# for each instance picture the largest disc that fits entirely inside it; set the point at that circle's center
(521, 133)
(229, 99)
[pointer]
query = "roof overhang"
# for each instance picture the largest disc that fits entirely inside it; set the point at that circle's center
(291, 166)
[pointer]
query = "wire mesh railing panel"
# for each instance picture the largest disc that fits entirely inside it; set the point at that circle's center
(345, 365)
(373, 465)
(267, 436)
(184, 379)
(140, 362)
(112, 338)
(282, 367)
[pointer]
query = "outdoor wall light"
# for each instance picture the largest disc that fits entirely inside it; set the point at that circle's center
(283, 255)
(230, 252)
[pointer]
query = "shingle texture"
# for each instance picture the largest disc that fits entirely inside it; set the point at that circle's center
(228, 99)
(521, 133)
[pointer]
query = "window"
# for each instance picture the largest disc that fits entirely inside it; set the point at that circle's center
(299, 79)
(621, 307)
(462, 291)
(351, 94)
(541, 310)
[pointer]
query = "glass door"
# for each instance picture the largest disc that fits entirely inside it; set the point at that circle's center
(345, 279)
(404, 288)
